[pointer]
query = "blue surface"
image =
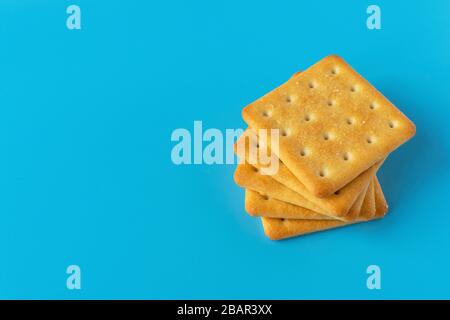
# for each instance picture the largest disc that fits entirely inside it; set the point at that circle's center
(86, 176)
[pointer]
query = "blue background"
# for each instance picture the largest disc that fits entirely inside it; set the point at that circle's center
(86, 176)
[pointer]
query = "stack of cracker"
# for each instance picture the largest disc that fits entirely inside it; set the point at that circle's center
(333, 131)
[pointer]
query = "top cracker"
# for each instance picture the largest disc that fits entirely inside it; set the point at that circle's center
(333, 124)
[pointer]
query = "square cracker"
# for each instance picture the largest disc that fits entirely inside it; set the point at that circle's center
(277, 229)
(368, 208)
(381, 204)
(333, 124)
(260, 205)
(355, 210)
(249, 177)
(338, 204)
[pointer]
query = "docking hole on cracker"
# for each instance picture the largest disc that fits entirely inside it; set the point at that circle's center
(303, 152)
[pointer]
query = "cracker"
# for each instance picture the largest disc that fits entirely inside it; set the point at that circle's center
(337, 204)
(368, 208)
(257, 204)
(249, 177)
(260, 205)
(354, 211)
(333, 125)
(277, 229)
(381, 204)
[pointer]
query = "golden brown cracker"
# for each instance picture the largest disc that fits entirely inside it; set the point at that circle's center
(334, 125)
(381, 204)
(257, 204)
(355, 210)
(368, 208)
(277, 229)
(337, 204)
(249, 177)
(260, 205)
